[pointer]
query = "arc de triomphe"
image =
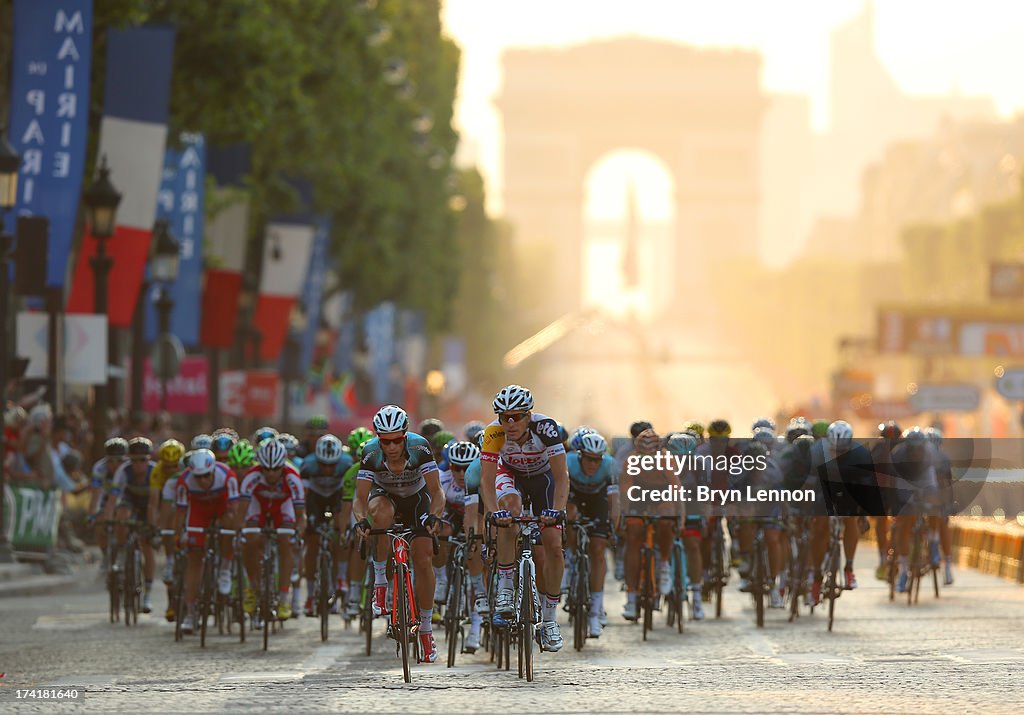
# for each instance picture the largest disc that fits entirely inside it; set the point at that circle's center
(697, 110)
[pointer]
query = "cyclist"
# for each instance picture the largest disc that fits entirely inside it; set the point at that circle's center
(575, 442)
(593, 494)
(206, 491)
(647, 443)
(846, 473)
(398, 481)
(453, 484)
(222, 443)
(323, 477)
(819, 429)
(523, 467)
(946, 507)
(115, 452)
(357, 439)
(697, 430)
(471, 430)
(767, 515)
(473, 520)
(241, 457)
(916, 464)
(439, 448)
(162, 494)
(429, 427)
(881, 453)
(129, 496)
(683, 444)
(272, 491)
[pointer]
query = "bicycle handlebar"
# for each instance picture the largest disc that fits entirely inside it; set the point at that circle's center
(281, 531)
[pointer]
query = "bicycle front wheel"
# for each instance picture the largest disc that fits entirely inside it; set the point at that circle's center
(324, 581)
(401, 607)
(527, 628)
(580, 596)
(453, 614)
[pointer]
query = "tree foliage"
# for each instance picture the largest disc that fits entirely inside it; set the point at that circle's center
(311, 85)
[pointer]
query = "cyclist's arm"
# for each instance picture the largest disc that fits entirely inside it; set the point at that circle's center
(154, 505)
(359, 504)
(488, 492)
(437, 500)
(469, 519)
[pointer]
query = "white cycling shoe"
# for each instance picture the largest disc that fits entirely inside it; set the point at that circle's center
(551, 637)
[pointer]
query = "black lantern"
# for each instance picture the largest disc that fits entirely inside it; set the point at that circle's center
(10, 163)
(101, 202)
(166, 258)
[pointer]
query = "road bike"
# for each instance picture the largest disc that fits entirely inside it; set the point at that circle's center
(717, 575)
(578, 601)
(266, 616)
(324, 581)
(677, 598)
(759, 577)
(799, 558)
(522, 626)
(832, 589)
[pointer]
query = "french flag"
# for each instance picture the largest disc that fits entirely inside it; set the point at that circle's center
(286, 252)
(133, 133)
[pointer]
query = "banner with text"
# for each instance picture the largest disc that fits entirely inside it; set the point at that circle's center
(49, 116)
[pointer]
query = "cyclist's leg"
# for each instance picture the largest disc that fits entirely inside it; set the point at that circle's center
(284, 518)
(509, 499)
(635, 534)
(316, 507)
(540, 491)
(253, 547)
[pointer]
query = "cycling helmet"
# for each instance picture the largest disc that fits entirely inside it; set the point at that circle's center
(442, 438)
(682, 443)
(647, 441)
(116, 447)
(316, 422)
(429, 427)
(889, 430)
(357, 437)
(577, 437)
(480, 440)
(226, 430)
(764, 436)
(463, 453)
(934, 435)
(391, 418)
(839, 435)
(472, 429)
(202, 441)
(290, 442)
(639, 426)
(171, 451)
(513, 398)
(719, 428)
(139, 446)
(914, 436)
(241, 455)
(271, 454)
(763, 423)
(593, 443)
(263, 433)
(222, 442)
(819, 428)
(797, 426)
(328, 449)
(202, 461)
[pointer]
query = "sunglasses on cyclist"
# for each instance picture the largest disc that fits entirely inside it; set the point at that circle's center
(592, 457)
(511, 417)
(391, 440)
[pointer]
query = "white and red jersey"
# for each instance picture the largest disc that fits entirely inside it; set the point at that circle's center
(224, 487)
(271, 496)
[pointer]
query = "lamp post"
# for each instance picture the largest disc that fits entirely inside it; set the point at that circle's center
(10, 163)
(101, 200)
(165, 264)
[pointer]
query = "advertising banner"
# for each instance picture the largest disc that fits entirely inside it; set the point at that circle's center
(312, 290)
(31, 516)
(85, 347)
(252, 393)
(187, 392)
(50, 64)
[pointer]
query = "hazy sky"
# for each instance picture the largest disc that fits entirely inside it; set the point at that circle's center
(928, 46)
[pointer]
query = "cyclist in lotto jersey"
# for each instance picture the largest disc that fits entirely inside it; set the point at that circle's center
(398, 483)
(523, 466)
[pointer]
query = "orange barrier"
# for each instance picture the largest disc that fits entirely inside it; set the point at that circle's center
(986, 545)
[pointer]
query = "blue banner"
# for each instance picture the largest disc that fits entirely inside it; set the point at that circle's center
(50, 116)
(312, 290)
(379, 325)
(181, 201)
(346, 343)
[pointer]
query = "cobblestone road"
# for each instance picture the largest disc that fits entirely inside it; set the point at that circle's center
(961, 653)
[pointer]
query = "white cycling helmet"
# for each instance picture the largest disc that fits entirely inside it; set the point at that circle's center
(576, 442)
(914, 436)
(472, 429)
(762, 423)
(513, 398)
(463, 453)
(202, 441)
(765, 436)
(839, 434)
(593, 443)
(202, 461)
(682, 443)
(390, 418)
(328, 449)
(271, 454)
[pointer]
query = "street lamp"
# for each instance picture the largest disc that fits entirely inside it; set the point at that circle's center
(101, 200)
(165, 263)
(10, 162)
